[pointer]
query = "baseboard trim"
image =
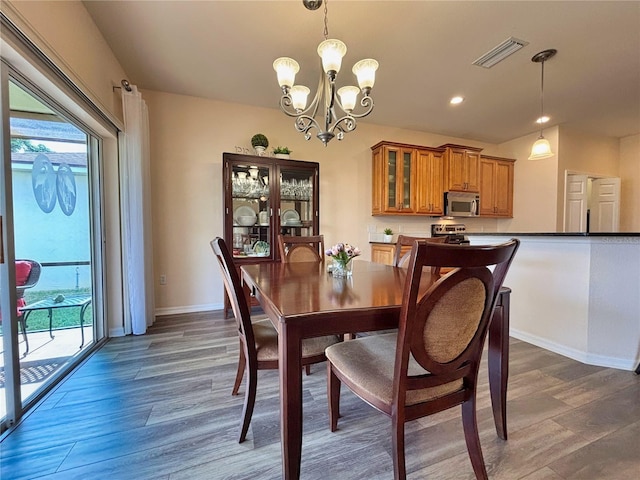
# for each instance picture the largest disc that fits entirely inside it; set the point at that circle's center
(189, 309)
(578, 355)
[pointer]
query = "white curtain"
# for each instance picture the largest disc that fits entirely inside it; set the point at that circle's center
(139, 305)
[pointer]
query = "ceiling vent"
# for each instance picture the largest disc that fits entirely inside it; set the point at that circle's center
(499, 53)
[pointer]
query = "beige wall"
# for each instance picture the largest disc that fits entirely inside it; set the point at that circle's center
(630, 184)
(534, 185)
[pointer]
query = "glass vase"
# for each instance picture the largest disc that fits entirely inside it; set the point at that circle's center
(341, 269)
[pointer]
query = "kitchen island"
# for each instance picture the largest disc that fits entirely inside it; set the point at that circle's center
(576, 294)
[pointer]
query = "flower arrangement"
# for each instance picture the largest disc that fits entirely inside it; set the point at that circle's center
(342, 254)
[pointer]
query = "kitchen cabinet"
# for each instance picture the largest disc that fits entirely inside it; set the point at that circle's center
(264, 197)
(393, 179)
(461, 168)
(407, 180)
(429, 182)
(496, 186)
(383, 252)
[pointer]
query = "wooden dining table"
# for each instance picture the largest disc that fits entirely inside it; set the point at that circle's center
(303, 300)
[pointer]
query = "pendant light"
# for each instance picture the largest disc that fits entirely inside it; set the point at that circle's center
(541, 148)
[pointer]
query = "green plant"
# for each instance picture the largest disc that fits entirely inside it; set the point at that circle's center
(284, 150)
(388, 231)
(259, 140)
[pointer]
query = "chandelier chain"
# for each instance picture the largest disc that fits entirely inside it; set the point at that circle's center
(542, 99)
(326, 21)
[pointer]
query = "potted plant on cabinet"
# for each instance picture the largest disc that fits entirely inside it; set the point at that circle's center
(259, 142)
(281, 152)
(388, 235)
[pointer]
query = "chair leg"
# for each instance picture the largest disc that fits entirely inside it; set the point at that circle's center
(333, 395)
(307, 369)
(242, 361)
(472, 438)
(249, 402)
(399, 466)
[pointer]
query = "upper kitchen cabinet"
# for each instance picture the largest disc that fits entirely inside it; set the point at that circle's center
(429, 182)
(264, 197)
(461, 168)
(496, 186)
(407, 180)
(393, 179)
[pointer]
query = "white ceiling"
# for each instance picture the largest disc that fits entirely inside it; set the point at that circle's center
(224, 50)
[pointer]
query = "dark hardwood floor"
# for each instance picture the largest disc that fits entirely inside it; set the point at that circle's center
(159, 406)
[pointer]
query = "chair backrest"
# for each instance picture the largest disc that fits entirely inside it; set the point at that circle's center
(444, 329)
(301, 249)
(27, 275)
(235, 292)
(400, 259)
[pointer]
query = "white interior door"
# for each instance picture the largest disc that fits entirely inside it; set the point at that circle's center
(575, 210)
(605, 205)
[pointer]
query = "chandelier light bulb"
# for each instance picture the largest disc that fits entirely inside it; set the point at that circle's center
(348, 97)
(365, 71)
(299, 95)
(286, 68)
(331, 51)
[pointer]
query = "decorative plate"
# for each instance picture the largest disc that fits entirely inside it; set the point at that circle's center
(244, 211)
(290, 217)
(261, 248)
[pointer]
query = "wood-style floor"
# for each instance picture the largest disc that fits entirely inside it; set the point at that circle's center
(159, 406)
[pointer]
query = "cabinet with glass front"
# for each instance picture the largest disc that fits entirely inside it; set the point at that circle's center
(264, 197)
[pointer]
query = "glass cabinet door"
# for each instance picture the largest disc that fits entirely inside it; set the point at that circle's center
(252, 210)
(297, 195)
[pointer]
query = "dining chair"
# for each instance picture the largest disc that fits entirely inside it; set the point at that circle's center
(301, 249)
(404, 244)
(259, 339)
(431, 363)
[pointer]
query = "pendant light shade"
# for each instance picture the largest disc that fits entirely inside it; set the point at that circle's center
(542, 148)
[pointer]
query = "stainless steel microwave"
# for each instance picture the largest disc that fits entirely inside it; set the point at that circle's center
(461, 204)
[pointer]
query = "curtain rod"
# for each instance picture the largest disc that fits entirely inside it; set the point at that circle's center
(125, 84)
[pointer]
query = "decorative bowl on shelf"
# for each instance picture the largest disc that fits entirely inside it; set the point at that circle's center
(247, 220)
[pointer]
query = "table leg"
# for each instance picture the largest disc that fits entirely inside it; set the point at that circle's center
(290, 357)
(499, 361)
(23, 322)
(82, 310)
(50, 321)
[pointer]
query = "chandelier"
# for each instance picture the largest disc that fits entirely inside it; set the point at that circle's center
(294, 97)
(541, 148)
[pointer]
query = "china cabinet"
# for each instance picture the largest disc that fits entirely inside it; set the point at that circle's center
(461, 168)
(264, 197)
(496, 186)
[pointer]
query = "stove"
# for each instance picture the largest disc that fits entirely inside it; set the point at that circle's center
(455, 232)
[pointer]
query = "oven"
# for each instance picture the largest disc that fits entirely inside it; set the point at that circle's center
(455, 232)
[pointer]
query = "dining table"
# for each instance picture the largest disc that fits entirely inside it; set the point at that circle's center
(304, 300)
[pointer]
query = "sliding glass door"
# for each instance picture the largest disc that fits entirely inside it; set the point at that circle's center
(51, 312)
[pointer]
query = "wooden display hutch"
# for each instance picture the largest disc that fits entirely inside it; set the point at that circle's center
(264, 197)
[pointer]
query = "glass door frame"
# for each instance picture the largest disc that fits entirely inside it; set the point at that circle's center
(16, 406)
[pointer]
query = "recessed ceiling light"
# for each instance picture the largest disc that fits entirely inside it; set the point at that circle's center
(456, 100)
(542, 120)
